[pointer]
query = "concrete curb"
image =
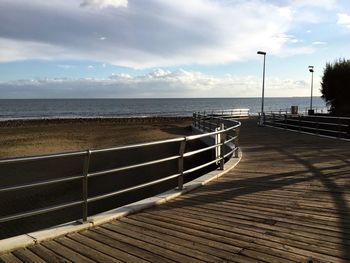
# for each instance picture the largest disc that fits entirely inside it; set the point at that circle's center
(10, 244)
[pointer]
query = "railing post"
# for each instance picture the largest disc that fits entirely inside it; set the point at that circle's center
(181, 164)
(285, 121)
(85, 184)
(222, 148)
(299, 122)
(236, 142)
(199, 119)
(194, 119)
(264, 118)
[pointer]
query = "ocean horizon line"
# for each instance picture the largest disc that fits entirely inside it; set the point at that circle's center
(140, 98)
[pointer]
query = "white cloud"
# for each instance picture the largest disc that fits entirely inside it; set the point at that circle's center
(105, 3)
(313, 12)
(90, 67)
(319, 43)
(343, 19)
(66, 66)
(11, 50)
(158, 83)
(150, 33)
(323, 4)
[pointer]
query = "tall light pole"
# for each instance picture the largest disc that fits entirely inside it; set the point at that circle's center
(311, 69)
(263, 89)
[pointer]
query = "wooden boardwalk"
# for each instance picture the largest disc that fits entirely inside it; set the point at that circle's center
(287, 201)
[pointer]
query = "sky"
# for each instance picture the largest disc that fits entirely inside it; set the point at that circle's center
(166, 49)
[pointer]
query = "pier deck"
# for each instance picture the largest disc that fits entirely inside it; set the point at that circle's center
(288, 200)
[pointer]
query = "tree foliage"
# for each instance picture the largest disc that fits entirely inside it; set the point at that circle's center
(335, 87)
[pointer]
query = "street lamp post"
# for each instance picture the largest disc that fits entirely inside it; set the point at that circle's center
(263, 89)
(311, 69)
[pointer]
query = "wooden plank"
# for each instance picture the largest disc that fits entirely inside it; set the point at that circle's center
(88, 252)
(263, 256)
(243, 240)
(66, 252)
(141, 253)
(198, 250)
(9, 258)
(150, 244)
(106, 249)
(265, 222)
(27, 256)
(298, 247)
(314, 239)
(263, 214)
(46, 254)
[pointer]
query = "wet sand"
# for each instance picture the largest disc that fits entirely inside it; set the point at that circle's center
(32, 137)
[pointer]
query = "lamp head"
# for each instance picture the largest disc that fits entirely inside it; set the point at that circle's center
(311, 68)
(261, 53)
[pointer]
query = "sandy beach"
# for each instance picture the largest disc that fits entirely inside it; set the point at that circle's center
(31, 137)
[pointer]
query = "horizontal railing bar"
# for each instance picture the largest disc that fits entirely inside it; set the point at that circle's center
(324, 130)
(230, 152)
(199, 136)
(228, 110)
(32, 185)
(38, 211)
(309, 128)
(310, 133)
(201, 150)
(322, 117)
(99, 197)
(320, 123)
(133, 166)
(286, 124)
(201, 166)
(231, 139)
(138, 145)
(40, 157)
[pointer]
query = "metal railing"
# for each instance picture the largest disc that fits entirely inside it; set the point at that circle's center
(228, 113)
(301, 111)
(328, 126)
(213, 127)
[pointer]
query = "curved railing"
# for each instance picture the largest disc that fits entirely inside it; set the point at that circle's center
(220, 136)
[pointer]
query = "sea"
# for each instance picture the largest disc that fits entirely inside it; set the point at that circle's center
(128, 108)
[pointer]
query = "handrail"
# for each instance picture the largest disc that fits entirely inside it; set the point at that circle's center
(137, 145)
(41, 183)
(217, 132)
(103, 172)
(41, 157)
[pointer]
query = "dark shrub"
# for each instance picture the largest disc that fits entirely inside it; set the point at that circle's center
(335, 87)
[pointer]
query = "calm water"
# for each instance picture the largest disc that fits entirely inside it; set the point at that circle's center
(76, 108)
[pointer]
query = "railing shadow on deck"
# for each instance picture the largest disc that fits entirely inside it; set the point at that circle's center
(307, 171)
